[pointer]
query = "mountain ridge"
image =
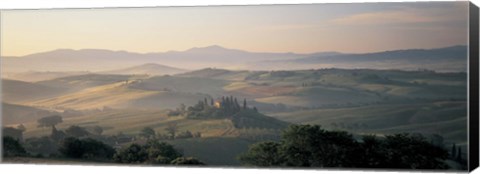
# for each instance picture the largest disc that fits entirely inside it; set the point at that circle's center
(218, 47)
(382, 54)
(98, 60)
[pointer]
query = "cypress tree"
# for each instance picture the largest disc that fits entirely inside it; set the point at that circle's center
(201, 105)
(211, 102)
(227, 103)
(459, 154)
(244, 103)
(237, 106)
(454, 151)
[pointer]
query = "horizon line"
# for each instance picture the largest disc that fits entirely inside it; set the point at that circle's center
(233, 49)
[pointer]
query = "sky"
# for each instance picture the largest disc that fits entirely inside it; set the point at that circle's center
(348, 28)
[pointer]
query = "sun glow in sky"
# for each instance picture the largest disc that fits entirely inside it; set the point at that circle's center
(352, 28)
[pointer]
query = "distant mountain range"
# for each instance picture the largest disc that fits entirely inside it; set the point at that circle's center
(448, 59)
(122, 62)
(102, 60)
(416, 55)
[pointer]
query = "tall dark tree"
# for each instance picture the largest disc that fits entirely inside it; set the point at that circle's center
(57, 135)
(459, 154)
(200, 106)
(237, 106)
(227, 104)
(244, 103)
(21, 127)
(49, 121)
(212, 102)
(454, 151)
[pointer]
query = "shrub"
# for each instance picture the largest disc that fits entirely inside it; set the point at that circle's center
(134, 153)
(311, 146)
(86, 148)
(153, 152)
(187, 161)
(12, 148)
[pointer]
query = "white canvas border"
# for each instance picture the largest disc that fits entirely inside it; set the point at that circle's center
(48, 4)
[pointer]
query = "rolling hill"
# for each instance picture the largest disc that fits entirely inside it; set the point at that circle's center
(149, 68)
(302, 88)
(117, 95)
(96, 91)
(219, 135)
(70, 60)
(17, 114)
(445, 118)
(80, 82)
(216, 74)
(35, 76)
(14, 91)
(321, 87)
(193, 85)
(321, 95)
(362, 101)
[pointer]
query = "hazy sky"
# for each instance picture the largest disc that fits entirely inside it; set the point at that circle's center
(350, 28)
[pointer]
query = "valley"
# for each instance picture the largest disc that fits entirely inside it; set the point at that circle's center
(216, 107)
(363, 101)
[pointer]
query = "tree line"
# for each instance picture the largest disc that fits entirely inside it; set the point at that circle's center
(171, 133)
(312, 146)
(225, 107)
(298, 146)
(76, 142)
